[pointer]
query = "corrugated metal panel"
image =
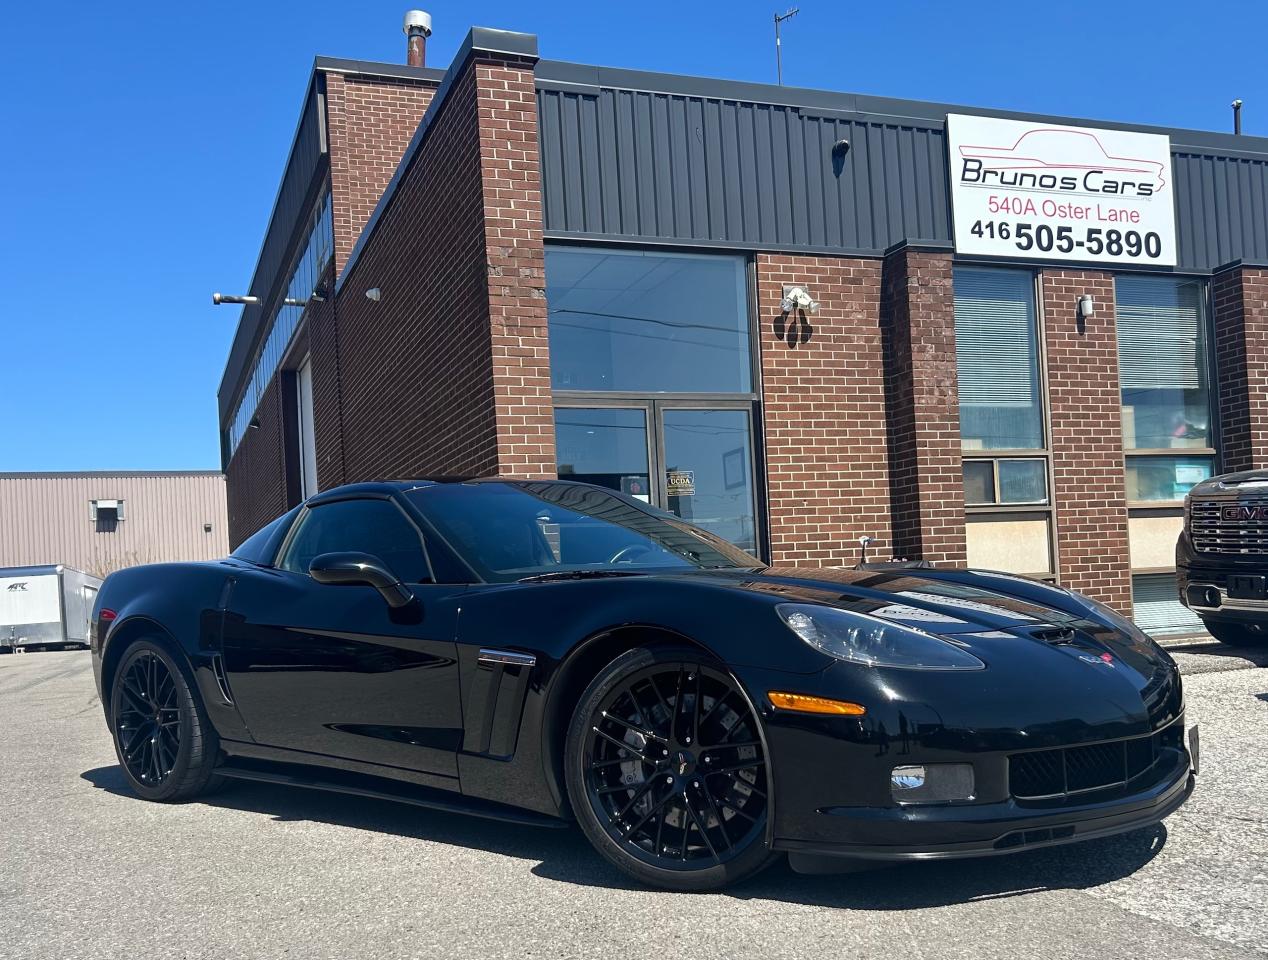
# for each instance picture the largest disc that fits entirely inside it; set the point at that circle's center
(1221, 208)
(1158, 610)
(46, 519)
(290, 215)
(657, 162)
(658, 166)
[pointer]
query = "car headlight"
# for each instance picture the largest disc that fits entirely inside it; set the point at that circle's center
(858, 638)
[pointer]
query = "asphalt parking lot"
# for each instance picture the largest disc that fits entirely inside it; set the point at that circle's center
(88, 871)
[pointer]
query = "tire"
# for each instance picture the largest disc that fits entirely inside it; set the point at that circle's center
(153, 698)
(660, 809)
(1237, 634)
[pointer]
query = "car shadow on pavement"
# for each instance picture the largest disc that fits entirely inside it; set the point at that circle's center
(566, 857)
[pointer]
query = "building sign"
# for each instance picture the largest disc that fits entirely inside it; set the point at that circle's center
(680, 483)
(1049, 192)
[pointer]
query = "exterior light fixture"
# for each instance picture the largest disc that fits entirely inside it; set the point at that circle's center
(219, 298)
(254, 424)
(1087, 306)
(374, 293)
(798, 298)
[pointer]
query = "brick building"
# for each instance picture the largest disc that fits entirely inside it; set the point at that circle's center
(773, 311)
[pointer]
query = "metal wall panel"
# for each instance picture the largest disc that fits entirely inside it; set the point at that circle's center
(290, 215)
(656, 158)
(632, 163)
(45, 518)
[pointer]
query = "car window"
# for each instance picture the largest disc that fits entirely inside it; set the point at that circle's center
(511, 530)
(376, 527)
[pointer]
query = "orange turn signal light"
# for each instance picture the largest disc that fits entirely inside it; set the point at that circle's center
(802, 703)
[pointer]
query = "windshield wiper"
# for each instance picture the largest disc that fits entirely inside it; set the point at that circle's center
(579, 575)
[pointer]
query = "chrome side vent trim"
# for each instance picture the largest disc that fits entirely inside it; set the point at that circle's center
(222, 680)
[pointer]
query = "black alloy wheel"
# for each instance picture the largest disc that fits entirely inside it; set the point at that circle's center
(165, 745)
(668, 772)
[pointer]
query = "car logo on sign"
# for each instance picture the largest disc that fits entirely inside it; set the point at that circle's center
(1238, 512)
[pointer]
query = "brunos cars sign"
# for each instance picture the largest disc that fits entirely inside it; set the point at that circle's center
(1050, 192)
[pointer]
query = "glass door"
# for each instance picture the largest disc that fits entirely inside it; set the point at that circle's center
(606, 446)
(708, 466)
(694, 461)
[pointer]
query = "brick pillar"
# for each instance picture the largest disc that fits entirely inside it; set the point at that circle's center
(1240, 297)
(449, 373)
(1085, 414)
(926, 472)
(510, 163)
(823, 406)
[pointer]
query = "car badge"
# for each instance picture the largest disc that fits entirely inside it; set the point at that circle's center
(1105, 658)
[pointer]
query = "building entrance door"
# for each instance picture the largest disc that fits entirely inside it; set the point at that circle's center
(693, 459)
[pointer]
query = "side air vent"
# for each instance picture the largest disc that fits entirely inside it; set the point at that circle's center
(495, 702)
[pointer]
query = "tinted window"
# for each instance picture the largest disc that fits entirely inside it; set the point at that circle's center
(508, 531)
(651, 322)
(376, 527)
(260, 547)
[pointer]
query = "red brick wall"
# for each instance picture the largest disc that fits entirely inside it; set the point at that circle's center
(447, 374)
(255, 479)
(516, 273)
(823, 411)
(369, 122)
(1089, 491)
(926, 471)
(323, 344)
(1240, 298)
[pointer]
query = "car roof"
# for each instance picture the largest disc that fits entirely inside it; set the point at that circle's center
(381, 488)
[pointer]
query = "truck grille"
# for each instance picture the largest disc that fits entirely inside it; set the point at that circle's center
(1047, 774)
(1237, 527)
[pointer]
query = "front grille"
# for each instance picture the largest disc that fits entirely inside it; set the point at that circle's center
(1047, 774)
(1245, 534)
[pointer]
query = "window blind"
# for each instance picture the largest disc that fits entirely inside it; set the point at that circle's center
(995, 346)
(1159, 333)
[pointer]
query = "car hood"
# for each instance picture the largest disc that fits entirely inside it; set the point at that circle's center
(1002, 629)
(1251, 480)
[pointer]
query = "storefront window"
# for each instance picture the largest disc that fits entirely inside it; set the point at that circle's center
(647, 322)
(997, 356)
(1162, 364)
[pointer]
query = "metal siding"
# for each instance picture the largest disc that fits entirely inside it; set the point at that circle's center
(46, 519)
(639, 165)
(290, 215)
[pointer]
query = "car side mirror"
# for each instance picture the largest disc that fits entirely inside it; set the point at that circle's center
(362, 569)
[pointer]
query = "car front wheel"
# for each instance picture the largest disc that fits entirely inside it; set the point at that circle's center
(164, 742)
(667, 772)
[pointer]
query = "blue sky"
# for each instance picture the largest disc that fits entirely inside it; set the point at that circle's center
(143, 144)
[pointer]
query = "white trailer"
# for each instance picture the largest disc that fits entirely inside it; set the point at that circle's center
(46, 606)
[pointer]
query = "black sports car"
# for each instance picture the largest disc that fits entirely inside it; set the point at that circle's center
(547, 651)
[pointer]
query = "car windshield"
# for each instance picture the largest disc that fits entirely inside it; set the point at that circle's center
(513, 530)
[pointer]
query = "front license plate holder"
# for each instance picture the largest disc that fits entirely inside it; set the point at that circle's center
(1247, 588)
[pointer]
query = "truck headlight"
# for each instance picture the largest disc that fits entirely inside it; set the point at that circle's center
(859, 638)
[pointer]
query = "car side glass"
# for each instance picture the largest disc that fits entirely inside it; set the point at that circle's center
(377, 527)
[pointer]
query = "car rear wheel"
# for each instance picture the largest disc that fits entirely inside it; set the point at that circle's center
(162, 737)
(667, 771)
(1237, 634)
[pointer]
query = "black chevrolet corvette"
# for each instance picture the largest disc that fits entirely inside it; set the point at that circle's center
(541, 652)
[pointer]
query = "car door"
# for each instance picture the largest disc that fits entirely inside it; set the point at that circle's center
(332, 669)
